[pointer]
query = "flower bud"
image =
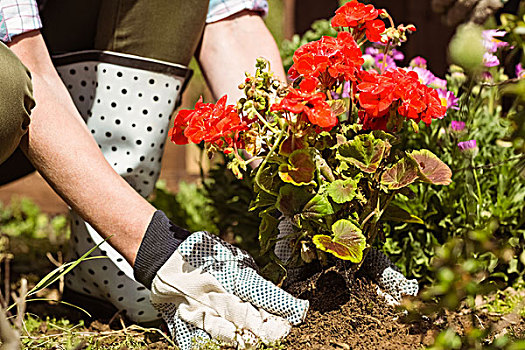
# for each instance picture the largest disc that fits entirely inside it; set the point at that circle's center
(307, 253)
(469, 148)
(457, 125)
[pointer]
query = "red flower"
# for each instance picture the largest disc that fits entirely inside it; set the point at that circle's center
(338, 58)
(361, 17)
(374, 29)
(377, 93)
(215, 123)
(396, 89)
(306, 100)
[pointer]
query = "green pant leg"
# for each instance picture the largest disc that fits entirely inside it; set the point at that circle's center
(167, 30)
(16, 101)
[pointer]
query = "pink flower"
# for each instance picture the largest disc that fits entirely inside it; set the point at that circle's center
(490, 42)
(418, 62)
(428, 78)
(467, 145)
(492, 45)
(448, 99)
(346, 90)
(457, 125)
(489, 60)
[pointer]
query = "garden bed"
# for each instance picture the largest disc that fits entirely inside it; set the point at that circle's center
(339, 318)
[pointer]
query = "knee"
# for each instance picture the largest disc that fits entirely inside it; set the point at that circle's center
(16, 101)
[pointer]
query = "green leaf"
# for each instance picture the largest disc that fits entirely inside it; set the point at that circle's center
(348, 242)
(268, 180)
(291, 144)
(324, 140)
(395, 213)
(343, 191)
(267, 230)
(263, 200)
(401, 174)
(380, 134)
(291, 199)
(301, 169)
(431, 169)
(317, 207)
(364, 151)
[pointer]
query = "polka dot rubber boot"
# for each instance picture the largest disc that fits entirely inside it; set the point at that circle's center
(126, 102)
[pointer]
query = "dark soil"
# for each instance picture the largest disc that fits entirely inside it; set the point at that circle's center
(357, 318)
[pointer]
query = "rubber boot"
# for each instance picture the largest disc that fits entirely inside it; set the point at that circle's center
(127, 102)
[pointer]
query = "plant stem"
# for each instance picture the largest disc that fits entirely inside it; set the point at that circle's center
(368, 218)
(385, 53)
(252, 159)
(265, 160)
(490, 166)
(478, 189)
(260, 117)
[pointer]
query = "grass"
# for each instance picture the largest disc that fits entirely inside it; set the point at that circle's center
(32, 244)
(507, 301)
(51, 333)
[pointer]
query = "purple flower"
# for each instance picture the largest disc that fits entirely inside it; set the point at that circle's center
(380, 61)
(467, 145)
(397, 55)
(346, 90)
(520, 72)
(486, 76)
(418, 62)
(448, 99)
(457, 125)
(490, 42)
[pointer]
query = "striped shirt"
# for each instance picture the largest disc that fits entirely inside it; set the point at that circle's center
(17, 17)
(20, 16)
(220, 9)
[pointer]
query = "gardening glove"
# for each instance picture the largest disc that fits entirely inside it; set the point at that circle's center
(209, 288)
(455, 12)
(392, 284)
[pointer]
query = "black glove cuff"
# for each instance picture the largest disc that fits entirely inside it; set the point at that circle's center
(161, 239)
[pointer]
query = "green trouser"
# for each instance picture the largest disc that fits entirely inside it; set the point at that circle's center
(16, 94)
(167, 30)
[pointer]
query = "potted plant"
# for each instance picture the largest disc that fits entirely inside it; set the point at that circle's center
(327, 145)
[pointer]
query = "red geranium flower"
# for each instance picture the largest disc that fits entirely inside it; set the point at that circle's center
(338, 58)
(399, 90)
(216, 123)
(361, 17)
(306, 100)
(377, 93)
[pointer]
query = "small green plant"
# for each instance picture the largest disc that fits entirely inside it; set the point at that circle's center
(189, 207)
(24, 218)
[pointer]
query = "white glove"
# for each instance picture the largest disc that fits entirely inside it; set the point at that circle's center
(211, 288)
(393, 285)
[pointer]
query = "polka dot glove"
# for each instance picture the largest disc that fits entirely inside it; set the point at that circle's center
(376, 265)
(391, 281)
(209, 288)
